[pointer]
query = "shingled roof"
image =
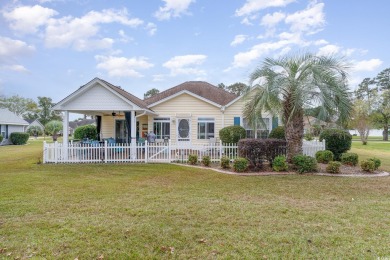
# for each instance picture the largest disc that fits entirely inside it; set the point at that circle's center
(200, 88)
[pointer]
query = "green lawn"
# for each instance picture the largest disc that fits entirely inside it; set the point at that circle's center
(167, 211)
(374, 148)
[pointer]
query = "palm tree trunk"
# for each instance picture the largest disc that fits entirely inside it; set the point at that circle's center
(294, 136)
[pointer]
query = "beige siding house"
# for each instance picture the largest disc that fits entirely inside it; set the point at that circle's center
(191, 112)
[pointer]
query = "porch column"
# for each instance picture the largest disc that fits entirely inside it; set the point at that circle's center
(65, 134)
(133, 134)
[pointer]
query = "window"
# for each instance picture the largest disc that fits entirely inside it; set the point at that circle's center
(206, 128)
(162, 127)
(262, 129)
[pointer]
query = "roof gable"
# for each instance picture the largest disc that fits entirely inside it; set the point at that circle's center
(99, 94)
(199, 89)
(9, 118)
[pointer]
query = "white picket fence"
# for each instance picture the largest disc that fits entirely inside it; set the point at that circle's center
(167, 152)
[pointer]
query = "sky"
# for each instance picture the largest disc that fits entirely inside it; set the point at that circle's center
(52, 47)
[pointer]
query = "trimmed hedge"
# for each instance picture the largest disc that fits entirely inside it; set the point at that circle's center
(240, 164)
(351, 159)
(304, 163)
(19, 138)
(336, 140)
(193, 159)
(368, 165)
(232, 134)
(280, 164)
(225, 162)
(206, 160)
(85, 131)
(259, 150)
(333, 167)
(1, 138)
(324, 156)
(377, 162)
(278, 133)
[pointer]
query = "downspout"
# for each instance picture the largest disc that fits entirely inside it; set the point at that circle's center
(223, 116)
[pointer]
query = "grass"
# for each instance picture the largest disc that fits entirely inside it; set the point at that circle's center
(168, 211)
(379, 149)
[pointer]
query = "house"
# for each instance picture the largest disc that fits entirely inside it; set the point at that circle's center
(34, 122)
(9, 123)
(192, 112)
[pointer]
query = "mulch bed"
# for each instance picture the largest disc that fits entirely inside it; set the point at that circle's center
(345, 171)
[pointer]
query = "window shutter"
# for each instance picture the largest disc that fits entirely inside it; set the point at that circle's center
(275, 122)
(237, 120)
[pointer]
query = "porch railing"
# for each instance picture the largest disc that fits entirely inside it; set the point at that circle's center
(165, 152)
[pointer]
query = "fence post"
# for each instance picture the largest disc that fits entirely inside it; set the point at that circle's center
(55, 151)
(169, 150)
(220, 149)
(105, 154)
(44, 151)
(146, 151)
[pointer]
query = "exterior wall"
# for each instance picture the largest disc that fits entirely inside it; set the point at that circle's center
(187, 106)
(97, 98)
(108, 125)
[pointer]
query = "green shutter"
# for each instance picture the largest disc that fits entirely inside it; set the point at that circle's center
(237, 120)
(275, 122)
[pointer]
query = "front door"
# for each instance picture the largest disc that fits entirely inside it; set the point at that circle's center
(183, 130)
(121, 131)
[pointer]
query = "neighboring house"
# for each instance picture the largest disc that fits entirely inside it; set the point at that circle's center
(191, 112)
(81, 122)
(9, 123)
(34, 122)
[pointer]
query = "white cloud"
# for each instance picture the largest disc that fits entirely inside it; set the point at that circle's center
(122, 66)
(151, 28)
(10, 51)
(79, 32)
(27, 19)
(17, 68)
(366, 65)
(238, 39)
(186, 64)
(252, 6)
(310, 20)
(271, 20)
(329, 49)
(320, 42)
(173, 8)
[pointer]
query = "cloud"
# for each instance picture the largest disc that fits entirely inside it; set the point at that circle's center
(366, 65)
(79, 33)
(10, 51)
(17, 68)
(271, 20)
(238, 39)
(329, 49)
(151, 28)
(27, 19)
(252, 6)
(310, 20)
(158, 78)
(186, 64)
(173, 8)
(122, 66)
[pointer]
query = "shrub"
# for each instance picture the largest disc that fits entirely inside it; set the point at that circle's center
(333, 167)
(193, 159)
(324, 156)
(259, 150)
(351, 159)
(1, 138)
(279, 163)
(368, 165)
(85, 131)
(304, 163)
(240, 164)
(206, 160)
(232, 134)
(278, 133)
(377, 162)
(34, 130)
(336, 140)
(19, 138)
(225, 162)
(308, 137)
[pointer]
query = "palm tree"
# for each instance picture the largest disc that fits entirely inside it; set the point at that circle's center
(288, 85)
